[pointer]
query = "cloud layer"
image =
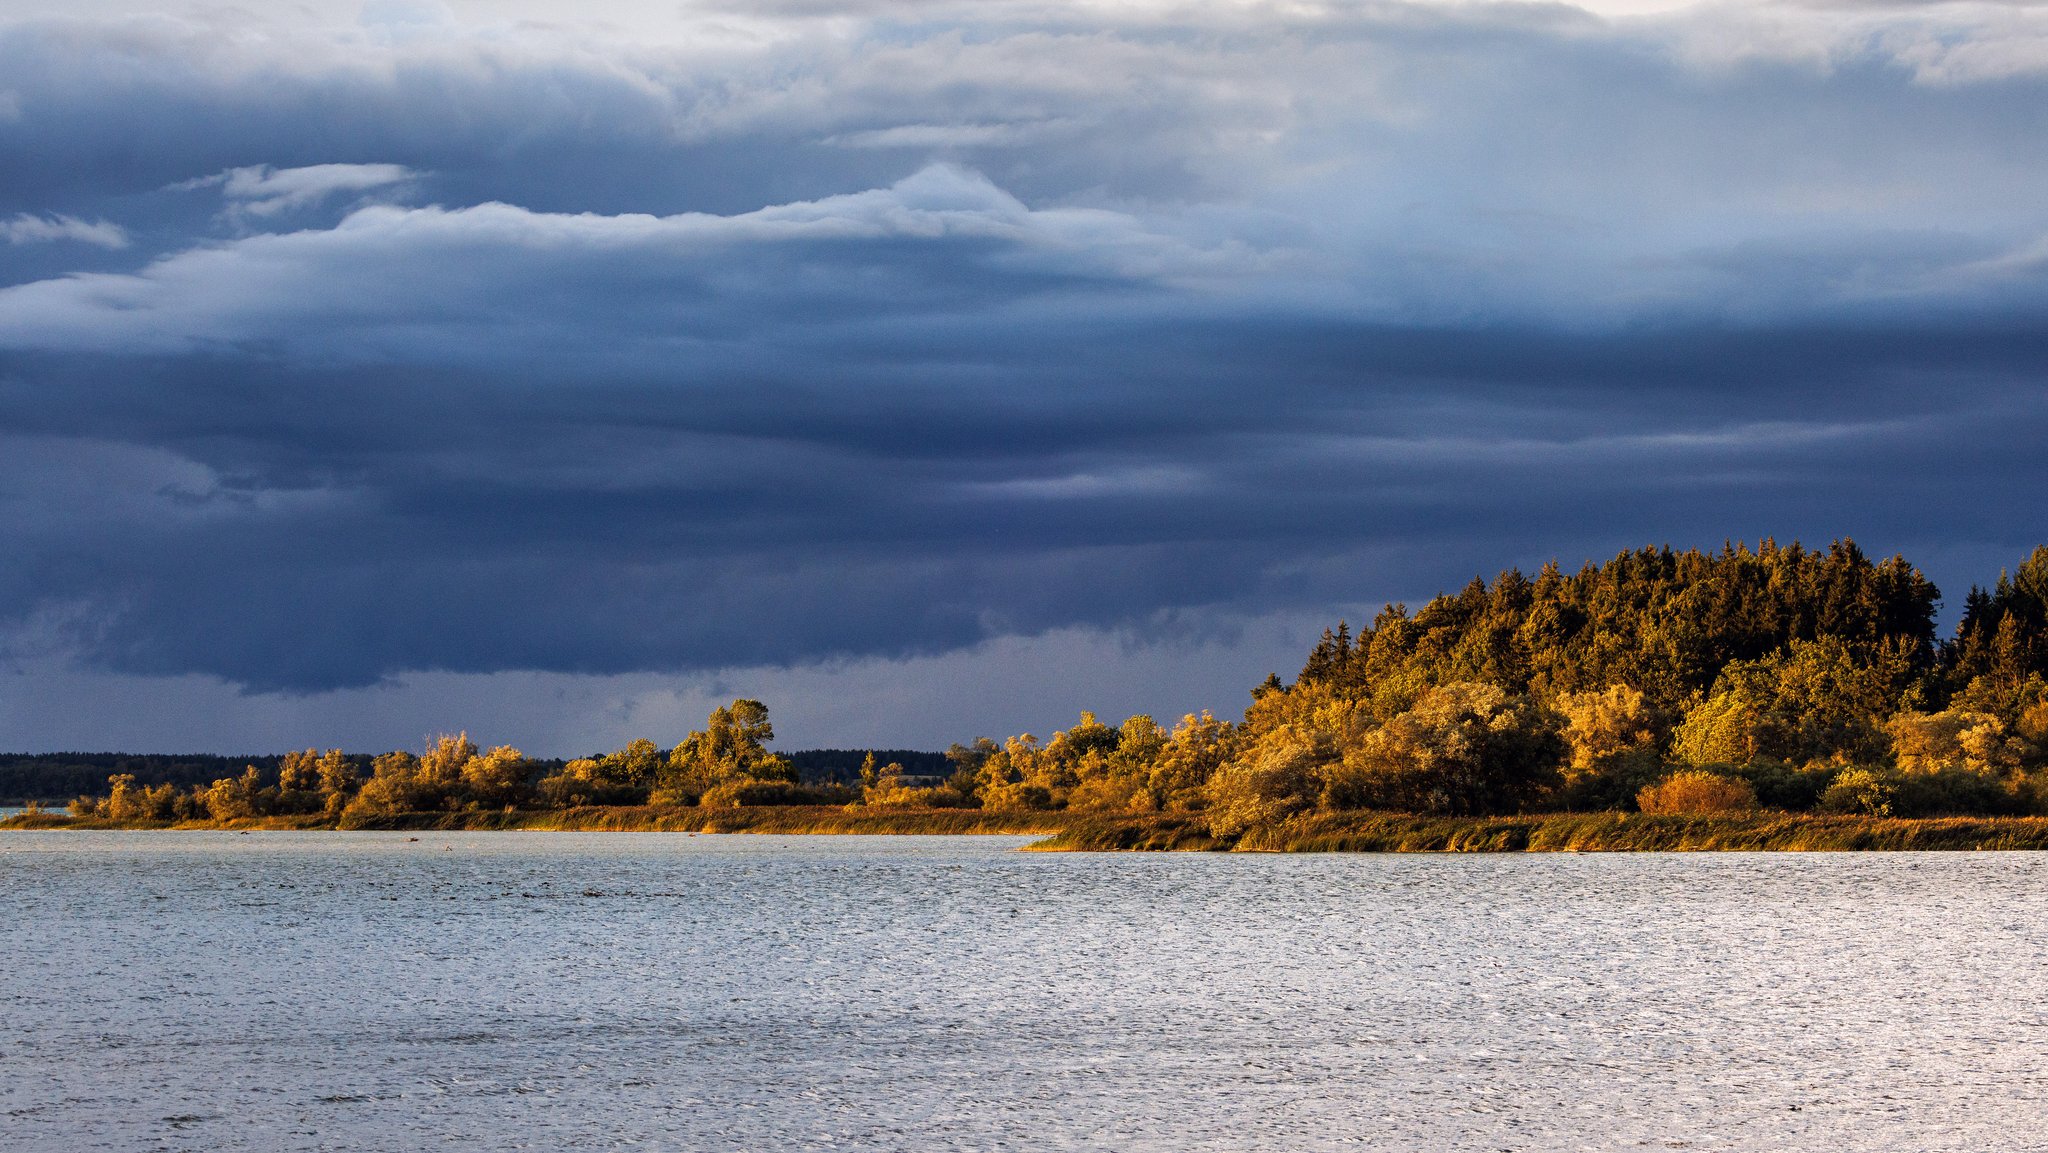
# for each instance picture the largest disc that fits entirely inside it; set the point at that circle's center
(426, 340)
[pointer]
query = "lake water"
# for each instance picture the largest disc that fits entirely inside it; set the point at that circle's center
(202, 991)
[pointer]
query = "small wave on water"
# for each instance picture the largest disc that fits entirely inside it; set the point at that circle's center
(560, 991)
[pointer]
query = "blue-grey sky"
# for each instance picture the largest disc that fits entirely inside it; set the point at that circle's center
(939, 369)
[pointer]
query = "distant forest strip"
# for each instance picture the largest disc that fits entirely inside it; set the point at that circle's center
(1733, 685)
(57, 777)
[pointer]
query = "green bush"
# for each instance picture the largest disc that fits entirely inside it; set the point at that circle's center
(1865, 791)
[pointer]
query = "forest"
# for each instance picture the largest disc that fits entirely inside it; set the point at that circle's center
(1765, 679)
(31, 777)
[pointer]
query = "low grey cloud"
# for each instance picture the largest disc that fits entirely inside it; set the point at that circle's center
(772, 345)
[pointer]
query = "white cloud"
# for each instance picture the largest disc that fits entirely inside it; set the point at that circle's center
(950, 135)
(260, 190)
(1154, 481)
(493, 275)
(29, 229)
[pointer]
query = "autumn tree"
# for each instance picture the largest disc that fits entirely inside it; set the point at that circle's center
(1464, 749)
(732, 747)
(1267, 782)
(438, 774)
(299, 772)
(1605, 728)
(394, 787)
(498, 777)
(234, 798)
(1012, 776)
(1197, 748)
(1816, 701)
(1114, 774)
(124, 799)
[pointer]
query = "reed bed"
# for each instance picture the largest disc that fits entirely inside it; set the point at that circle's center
(1340, 832)
(1377, 832)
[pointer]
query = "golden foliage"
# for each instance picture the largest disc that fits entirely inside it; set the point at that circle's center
(1697, 791)
(1604, 726)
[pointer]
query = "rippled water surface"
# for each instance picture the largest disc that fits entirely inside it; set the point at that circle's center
(205, 991)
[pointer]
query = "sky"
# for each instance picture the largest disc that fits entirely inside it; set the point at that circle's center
(931, 370)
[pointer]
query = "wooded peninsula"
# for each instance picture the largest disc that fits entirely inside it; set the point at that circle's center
(1775, 697)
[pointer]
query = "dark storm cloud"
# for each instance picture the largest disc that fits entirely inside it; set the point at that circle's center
(475, 353)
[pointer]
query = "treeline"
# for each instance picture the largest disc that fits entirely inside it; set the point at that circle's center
(36, 777)
(725, 764)
(41, 776)
(842, 766)
(1665, 681)
(1677, 682)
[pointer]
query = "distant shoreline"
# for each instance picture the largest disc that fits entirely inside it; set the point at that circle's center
(1373, 832)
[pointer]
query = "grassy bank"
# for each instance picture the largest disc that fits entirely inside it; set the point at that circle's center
(620, 819)
(1374, 832)
(1357, 832)
(763, 819)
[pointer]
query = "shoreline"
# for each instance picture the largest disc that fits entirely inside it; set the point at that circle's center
(785, 819)
(1364, 831)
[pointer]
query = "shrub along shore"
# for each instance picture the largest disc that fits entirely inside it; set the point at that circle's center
(1357, 831)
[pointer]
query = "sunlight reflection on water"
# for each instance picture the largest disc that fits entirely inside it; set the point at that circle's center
(558, 991)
